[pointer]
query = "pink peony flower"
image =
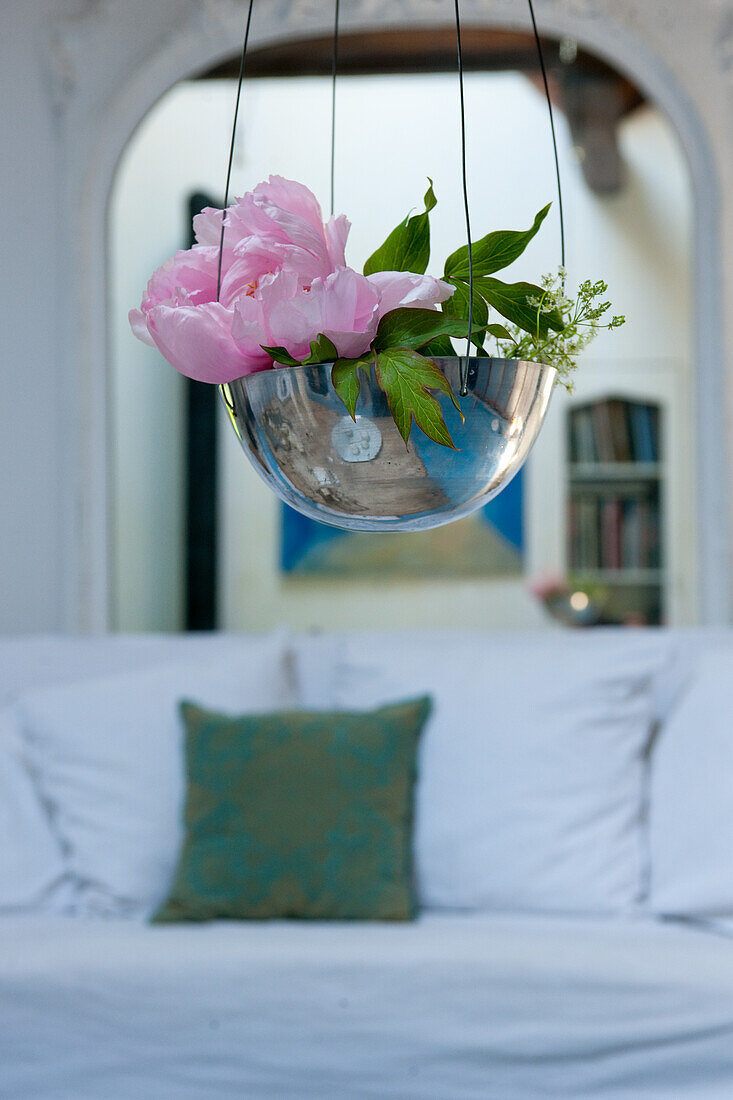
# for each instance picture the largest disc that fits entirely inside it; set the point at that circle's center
(282, 312)
(284, 282)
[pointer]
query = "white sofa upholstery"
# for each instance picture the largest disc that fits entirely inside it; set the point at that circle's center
(479, 1000)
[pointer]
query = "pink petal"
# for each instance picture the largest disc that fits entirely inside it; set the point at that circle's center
(293, 313)
(273, 255)
(402, 288)
(244, 275)
(285, 216)
(207, 226)
(250, 330)
(350, 310)
(190, 275)
(337, 232)
(349, 345)
(253, 217)
(247, 218)
(197, 341)
(294, 324)
(350, 301)
(295, 211)
(241, 222)
(139, 325)
(291, 197)
(273, 288)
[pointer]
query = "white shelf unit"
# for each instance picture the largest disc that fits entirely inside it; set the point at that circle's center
(615, 471)
(623, 577)
(552, 479)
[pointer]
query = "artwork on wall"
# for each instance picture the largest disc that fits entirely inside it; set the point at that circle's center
(488, 543)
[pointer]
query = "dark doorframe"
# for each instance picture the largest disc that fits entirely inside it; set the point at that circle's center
(202, 486)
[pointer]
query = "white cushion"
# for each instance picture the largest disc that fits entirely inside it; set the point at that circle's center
(31, 863)
(531, 772)
(691, 797)
(686, 645)
(107, 754)
(43, 660)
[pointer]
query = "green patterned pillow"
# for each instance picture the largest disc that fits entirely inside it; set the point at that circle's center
(298, 814)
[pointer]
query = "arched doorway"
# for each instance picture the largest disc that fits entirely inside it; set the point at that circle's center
(185, 53)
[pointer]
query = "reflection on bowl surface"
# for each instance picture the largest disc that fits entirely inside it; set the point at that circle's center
(360, 476)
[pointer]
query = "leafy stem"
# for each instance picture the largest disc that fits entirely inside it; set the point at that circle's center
(583, 318)
(542, 323)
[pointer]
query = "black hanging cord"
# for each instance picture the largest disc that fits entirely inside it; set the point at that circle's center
(464, 174)
(464, 365)
(334, 73)
(552, 128)
(231, 147)
(540, 55)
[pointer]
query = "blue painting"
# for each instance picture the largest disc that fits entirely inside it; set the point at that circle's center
(489, 543)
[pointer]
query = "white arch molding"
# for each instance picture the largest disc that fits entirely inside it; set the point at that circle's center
(111, 64)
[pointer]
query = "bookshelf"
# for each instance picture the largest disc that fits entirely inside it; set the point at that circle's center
(615, 503)
(558, 472)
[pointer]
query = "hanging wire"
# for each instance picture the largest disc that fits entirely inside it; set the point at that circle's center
(231, 147)
(464, 174)
(540, 55)
(464, 365)
(334, 73)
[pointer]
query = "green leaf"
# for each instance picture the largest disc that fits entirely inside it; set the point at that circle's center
(346, 383)
(407, 248)
(429, 197)
(499, 332)
(322, 351)
(512, 300)
(406, 377)
(457, 306)
(281, 355)
(439, 345)
(494, 251)
(413, 328)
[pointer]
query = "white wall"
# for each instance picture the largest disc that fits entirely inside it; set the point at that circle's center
(76, 76)
(31, 475)
(639, 241)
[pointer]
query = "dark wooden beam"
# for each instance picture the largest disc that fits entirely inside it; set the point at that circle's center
(594, 106)
(408, 49)
(594, 97)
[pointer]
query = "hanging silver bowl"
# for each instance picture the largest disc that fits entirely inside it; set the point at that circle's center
(360, 476)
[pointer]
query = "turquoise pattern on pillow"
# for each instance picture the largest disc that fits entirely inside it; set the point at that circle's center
(298, 814)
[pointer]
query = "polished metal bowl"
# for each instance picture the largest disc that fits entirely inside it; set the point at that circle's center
(359, 475)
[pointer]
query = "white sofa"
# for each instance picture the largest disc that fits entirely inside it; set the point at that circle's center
(573, 845)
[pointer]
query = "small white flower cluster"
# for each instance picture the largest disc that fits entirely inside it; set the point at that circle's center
(582, 320)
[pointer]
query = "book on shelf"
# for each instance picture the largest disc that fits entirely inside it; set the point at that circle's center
(614, 532)
(617, 413)
(651, 534)
(590, 540)
(583, 439)
(615, 430)
(644, 425)
(602, 429)
(632, 535)
(611, 533)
